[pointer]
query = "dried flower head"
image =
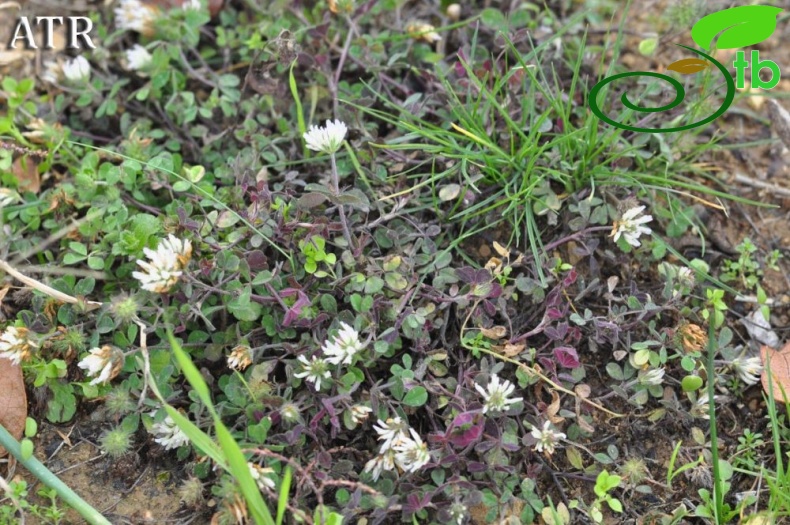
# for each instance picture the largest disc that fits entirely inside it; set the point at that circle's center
(134, 15)
(105, 363)
(546, 438)
(326, 139)
(8, 196)
(496, 395)
(15, 344)
(240, 358)
(423, 31)
(630, 226)
(360, 413)
(691, 337)
(342, 348)
(341, 6)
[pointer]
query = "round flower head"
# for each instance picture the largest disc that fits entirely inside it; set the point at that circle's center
(15, 344)
(343, 347)
(77, 70)
(168, 434)
(630, 226)
(133, 15)
(412, 454)
(166, 264)
(383, 461)
(326, 139)
(240, 358)
(393, 432)
(137, 58)
(496, 395)
(105, 361)
(314, 371)
(547, 438)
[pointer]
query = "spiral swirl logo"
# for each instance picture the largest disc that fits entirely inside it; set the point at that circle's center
(735, 27)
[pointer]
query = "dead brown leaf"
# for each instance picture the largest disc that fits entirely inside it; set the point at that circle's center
(13, 400)
(778, 363)
(495, 332)
(25, 169)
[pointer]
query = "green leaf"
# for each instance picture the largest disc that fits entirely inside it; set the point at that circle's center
(416, 397)
(648, 46)
(739, 27)
(615, 504)
(285, 487)
(31, 427)
(691, 383)
(26, 447)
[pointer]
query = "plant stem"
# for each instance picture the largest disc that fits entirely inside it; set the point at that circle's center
(718, 497)
(46, 476)
(336, 191)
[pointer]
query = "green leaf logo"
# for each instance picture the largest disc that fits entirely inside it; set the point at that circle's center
(739, 26)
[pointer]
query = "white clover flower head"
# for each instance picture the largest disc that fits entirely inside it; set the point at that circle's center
(137, 58)
(392, 432)
(166, 264)
(749, 369)
(546, 438)
(342, 348)
(105, 361)
(52, 72)
(382, 462)
(134, 15)
(653, 376)
(630, 226)
(496, 395)
(313, 371)
(261, 475)
(412, 453)
(77, 70)
(326, 139)
(360, 413)
(701, 407)
(240, 358)
(168, 434)
(15, 344)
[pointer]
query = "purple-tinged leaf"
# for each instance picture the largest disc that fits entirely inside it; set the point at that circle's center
(465, 429)
(567, 356)
(475, 466)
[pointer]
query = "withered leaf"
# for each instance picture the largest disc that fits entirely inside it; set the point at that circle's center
(688, 66)
(13, 400)
(777, 362)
